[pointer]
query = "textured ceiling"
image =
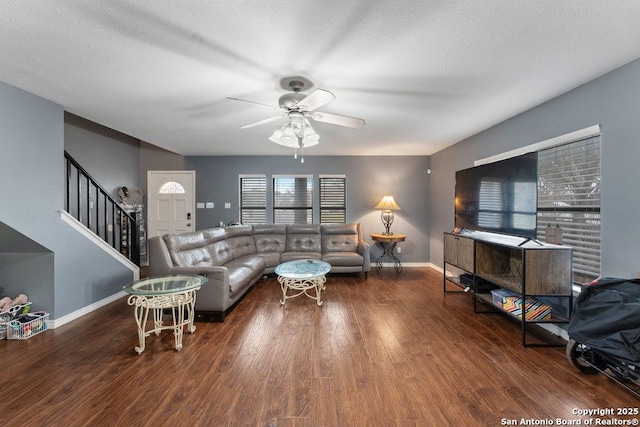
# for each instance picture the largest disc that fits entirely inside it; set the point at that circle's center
(424, 74)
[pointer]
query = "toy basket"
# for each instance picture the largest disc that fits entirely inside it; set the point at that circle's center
(27, 325)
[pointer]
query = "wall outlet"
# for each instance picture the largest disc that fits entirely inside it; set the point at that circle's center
(399, 249)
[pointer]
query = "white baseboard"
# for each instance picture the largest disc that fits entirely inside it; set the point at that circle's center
(437, 268)
(52, 324)
(91, 236)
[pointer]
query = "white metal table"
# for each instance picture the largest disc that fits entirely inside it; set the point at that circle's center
(302, 276)
(177, 293)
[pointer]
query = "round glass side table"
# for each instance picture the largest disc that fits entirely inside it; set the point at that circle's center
(177, 293)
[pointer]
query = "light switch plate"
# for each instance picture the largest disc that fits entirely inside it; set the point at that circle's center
(227, 205)
(209, 205)
(200, 205)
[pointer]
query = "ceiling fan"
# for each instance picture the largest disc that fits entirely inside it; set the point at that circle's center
(298, 108)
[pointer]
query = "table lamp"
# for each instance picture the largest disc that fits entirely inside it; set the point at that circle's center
(388, 205)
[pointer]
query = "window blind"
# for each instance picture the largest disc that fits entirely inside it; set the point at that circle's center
(293, 199)
(333, 200)
(253, 199)
(569, 196)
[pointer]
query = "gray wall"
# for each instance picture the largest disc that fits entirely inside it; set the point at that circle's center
(156, 158)
(368, 179)
(110, 157)
(32, 162)
(613, 102)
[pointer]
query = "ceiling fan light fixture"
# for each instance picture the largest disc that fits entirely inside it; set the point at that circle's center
(275, 137)
(309, 136)
(297, 107)
(310, 140)
(285, 135)
(289, 137)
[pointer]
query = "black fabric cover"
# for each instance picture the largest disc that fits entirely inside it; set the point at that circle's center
(606, 317)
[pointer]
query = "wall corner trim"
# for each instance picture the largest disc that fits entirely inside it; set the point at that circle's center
(78, 226)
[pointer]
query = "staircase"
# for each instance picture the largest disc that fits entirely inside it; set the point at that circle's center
(92, 206)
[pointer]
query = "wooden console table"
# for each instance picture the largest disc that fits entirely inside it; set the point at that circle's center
(389, 243)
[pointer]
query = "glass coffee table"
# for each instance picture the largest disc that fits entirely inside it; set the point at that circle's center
(302, 276)
(177, 293)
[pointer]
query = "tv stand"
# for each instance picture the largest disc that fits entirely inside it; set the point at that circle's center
(530, 270)
(530, 239)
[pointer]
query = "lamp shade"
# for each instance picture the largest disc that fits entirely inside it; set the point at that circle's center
(277, 135)
(289, 137)
(388, 204)
(309, 137)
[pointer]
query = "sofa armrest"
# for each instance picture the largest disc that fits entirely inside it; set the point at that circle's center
(363, 249)
(214, 296)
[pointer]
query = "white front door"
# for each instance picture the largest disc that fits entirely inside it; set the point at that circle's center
(170, 202)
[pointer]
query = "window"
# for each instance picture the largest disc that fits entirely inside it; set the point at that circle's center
(292, 199)
(171, 187)
(253, 199)
(333, 199)
(569, 196)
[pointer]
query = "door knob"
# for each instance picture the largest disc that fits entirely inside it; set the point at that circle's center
(188, 224)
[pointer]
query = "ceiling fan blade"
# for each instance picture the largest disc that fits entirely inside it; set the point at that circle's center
(253, 102)
(261, 122)
(336, 119)
(316, 99)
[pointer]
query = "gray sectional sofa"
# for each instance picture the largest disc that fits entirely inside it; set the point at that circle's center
(236, 257)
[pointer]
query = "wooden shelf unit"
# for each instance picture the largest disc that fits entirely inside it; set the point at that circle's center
(524, 266)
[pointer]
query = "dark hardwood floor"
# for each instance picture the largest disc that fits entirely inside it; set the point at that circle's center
(389, 351)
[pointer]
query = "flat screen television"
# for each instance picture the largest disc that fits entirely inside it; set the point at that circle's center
(499, 197)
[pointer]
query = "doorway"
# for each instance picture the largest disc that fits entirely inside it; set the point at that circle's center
(171, 202)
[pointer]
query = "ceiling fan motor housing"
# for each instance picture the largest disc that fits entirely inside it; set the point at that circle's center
(289, 101)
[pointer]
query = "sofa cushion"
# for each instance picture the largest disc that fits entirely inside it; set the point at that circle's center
(213, 235)
(270, 237)
(272, 259)
(220, 252)
(339, 238)
(270, 243)
(343, 259)
(215, 244)
(303, 238)
(240, 278)
(238, 230)
(269, 229)
(254, 262)
(240, 240)
(187, 249)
